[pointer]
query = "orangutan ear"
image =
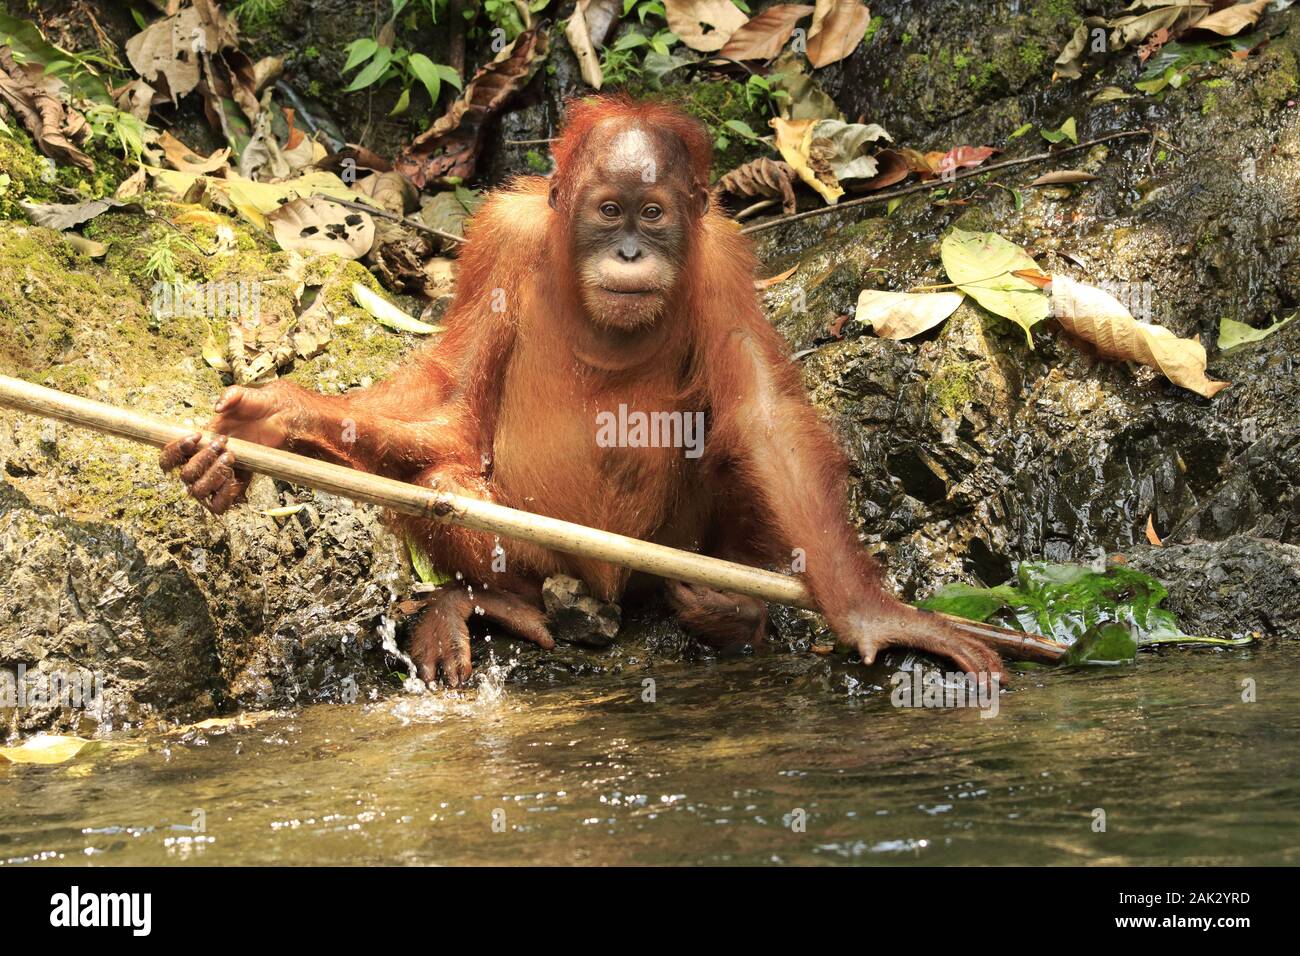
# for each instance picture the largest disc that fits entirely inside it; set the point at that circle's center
(701, 199)
(554, 197)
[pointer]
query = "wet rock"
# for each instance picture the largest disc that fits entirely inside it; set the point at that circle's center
(576, 617)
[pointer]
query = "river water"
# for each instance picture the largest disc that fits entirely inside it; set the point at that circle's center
(719, 769)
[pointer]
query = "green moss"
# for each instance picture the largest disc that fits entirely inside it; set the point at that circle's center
(952, 387)
(1031, 55)
(29, 174)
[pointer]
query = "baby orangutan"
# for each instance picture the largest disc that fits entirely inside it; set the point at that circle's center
(611, 288)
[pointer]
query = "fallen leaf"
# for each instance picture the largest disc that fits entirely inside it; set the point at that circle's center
(843, 147)
(450, 147)
(1098, 317)
(794, 141)
(48, 749)
(901, 315)
(1067, 130)
(1110, 93)
(133, 185)
(763, 177)
(1232, 20)
(578, 34)
(385, 313)
(1233, 333)
(1063, 176)
(761, 284)
(804, 99)
(86, 247)
(837, 29)
(286, 512)
(186, 160)
(449, 211)
(983, 265)
(391, 191)
(1069, 64)
(1151, 532)
(1038, 278)
(763, 37)
(320, 226)
(704, 25)
(964, 157)
(892, 167)
(1132, 29)
(69, 215)
(58, 130)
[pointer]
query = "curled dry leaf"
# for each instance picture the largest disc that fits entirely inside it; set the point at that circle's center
(57, 129)
(763, 37)
(451, 146)
(843, 147)
(1062, 177)
(179, 156)
(901, 315)
(761, 284)
(837, 29)
(320, 226)
(1151, 532)
(577, 32)
(891, 167)
(391, 191)
(1069, 65)
(804, 99)
(766, 178)
(794, 139)
(704, 25)
(1098, 317)
(1232, 20)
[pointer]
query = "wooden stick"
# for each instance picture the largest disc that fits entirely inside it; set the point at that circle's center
(411, 499)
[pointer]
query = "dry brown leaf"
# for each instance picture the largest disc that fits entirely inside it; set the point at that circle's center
(892, 167)
(1232, 20)
(761, 284)
(1151, 532)
(179, 156)
(1098, 317)
(704, 25)
(317, 225)
(901, 315)
(763, 177)
(450, 147)
(1062, 177)
(391, 191)
(578, 34)
(794, 140)
(763, 37)
(57, 129)
(837, 29)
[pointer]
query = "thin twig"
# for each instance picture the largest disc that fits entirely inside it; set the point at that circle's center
(393, 217)
(938, 184)
(754, 209)
(528, 142)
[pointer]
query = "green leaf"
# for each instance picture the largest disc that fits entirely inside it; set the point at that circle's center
(1110, 644)
(422, 566)
(1233, 333)
(427, 73)
(139, 19)
(1067, 131)
(449, 76)
(1021, 131)
(402, 103)
(738, 126)
(982, 263)
(373, 71)
(968, 601)
(359, 51)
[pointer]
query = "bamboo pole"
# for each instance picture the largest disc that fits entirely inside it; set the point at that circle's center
(455, 509)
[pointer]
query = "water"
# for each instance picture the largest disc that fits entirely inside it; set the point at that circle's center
(586, 772)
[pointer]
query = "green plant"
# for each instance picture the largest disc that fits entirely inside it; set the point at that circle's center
(618, 66)
(109, 123)
(761, 96)
(380, 61)
(253, 16)
(644, 8)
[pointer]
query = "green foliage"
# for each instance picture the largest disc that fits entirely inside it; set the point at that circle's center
(1104, 616)
(379, 62)
(254, 16)
(762, 96)
(123, 130)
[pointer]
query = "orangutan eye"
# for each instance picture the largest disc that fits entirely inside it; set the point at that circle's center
(610, 210)
(652, 212)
